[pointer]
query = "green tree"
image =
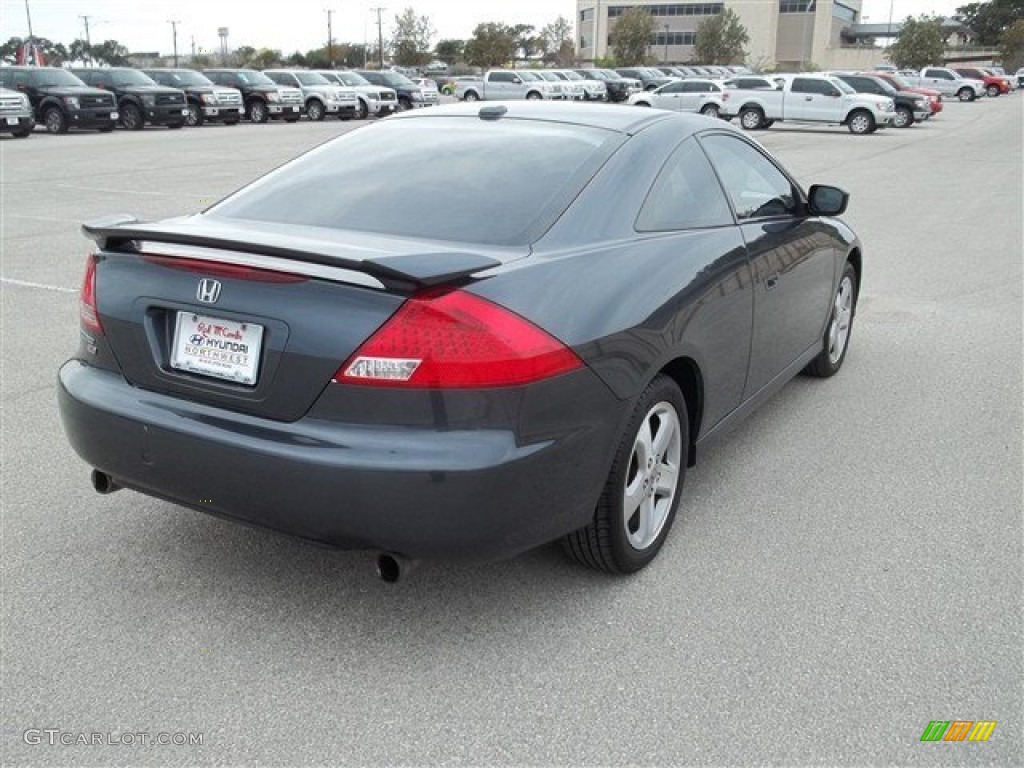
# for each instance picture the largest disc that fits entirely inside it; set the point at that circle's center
(449, 51)
(528, 45)
(111, 53)
(244, 55)
(988, 21)
(920, 43)
(632, 36)
(79, 51)
(410, 43)
(493, 44)
(558, 42)
(1011, 46)
(352, 55)
(720, 39)
(297, 59)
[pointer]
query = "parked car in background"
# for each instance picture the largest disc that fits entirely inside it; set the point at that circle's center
(707, 97)
(60, 100)
(649, 78)
(321, 97)
(593, 89)
(948, 83)
(376, 100)
(350, 363)
(264, 99)
(619, 88)
(995, 85)
(16, 115)
(751, 81)
(1000, 72)
(140, 101)
(1020, 77)
(572, 90)
(811, 98)
(205, 100)
(410, 96)
(507, 84)
(901, 83)
(910, 107)
(431, 93)
(451, 84)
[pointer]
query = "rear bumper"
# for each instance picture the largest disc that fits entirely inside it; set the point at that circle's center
(420, 491)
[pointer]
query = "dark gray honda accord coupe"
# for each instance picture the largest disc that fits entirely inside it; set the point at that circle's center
(461, 332)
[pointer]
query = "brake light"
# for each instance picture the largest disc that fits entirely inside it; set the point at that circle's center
(453, 339)
(87, 311)
(219, 269)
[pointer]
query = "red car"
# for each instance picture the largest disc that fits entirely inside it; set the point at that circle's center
(901, 84)
(994, 85)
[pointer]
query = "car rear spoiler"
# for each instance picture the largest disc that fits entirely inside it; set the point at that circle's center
(398, 271)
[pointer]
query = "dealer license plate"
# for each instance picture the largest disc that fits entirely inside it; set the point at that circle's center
(212, 346)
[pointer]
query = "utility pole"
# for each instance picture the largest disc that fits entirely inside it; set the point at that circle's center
(88, 40)
(330, 38)
(380, 34)
(193, 47)
(28, 13)
(174, 28)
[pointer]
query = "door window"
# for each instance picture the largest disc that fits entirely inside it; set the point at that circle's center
(756, 187)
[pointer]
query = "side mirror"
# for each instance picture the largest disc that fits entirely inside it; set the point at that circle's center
(827, 201)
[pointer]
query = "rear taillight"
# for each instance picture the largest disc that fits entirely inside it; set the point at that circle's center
(87, 311)
(454, 339)
(218, 269)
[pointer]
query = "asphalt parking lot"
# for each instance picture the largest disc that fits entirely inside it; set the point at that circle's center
(846, 566)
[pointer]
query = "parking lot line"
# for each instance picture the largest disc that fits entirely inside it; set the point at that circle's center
(40, 286)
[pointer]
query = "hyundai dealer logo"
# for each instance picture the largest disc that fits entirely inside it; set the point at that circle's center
(208, 291)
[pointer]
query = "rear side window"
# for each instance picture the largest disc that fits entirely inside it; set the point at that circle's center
(458, 179)
(686, 194)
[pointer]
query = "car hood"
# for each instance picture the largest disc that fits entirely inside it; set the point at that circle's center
(154, 89)
(74, 90)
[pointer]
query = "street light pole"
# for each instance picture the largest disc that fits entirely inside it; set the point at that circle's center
(330, 38)
(88, 40)
(174, 31)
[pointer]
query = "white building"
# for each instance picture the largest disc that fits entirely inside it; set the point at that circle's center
(787, 34)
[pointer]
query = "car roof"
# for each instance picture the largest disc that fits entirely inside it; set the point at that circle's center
(607, 116)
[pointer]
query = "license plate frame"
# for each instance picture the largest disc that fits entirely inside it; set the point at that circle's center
(217, 348)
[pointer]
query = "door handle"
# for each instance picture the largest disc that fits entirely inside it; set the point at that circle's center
(771, 281)
(808, 98)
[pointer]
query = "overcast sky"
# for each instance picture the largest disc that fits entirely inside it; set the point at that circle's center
(142, 25)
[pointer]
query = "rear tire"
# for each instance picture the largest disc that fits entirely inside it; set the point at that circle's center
(965, 94)
(992, 91)
(710, 111)
(642, 491)
(751, 118)
(470, 96)
(837, 332)
(533, 96)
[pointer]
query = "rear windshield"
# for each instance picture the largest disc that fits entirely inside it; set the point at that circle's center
(457, 179)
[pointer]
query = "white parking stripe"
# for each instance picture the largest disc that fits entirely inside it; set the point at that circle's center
(41, 286)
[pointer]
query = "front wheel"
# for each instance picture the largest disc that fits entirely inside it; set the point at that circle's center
(315, 111)
(195, 117)
(837, 333)
(710, 110)
(362, 111)
(131, 117)
(861, 122)
(258, 111)
(404, 105)
(641, 493)
(533, 96)
(965, 94)
(55, 121)
(904, 118)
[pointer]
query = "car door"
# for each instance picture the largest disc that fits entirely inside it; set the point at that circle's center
(939, 79)
(814, 100)
(695, 94)
(792, 257)
(669, 97)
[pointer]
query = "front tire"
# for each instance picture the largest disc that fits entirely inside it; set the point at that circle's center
(195, 117)
(533, 96)
(837, 332)
(258, 111)
(641, 495)
(861, 122)
(131, 118)
(363, 111)
(404, 105)
(315, 111)
(904, 118)
(55, 121)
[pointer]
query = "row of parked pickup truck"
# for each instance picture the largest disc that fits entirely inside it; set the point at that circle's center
(103, 97)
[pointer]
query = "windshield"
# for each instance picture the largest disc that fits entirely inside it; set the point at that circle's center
(47, 78)
(570, 75)
(396, 80)
(549, 76)
(311, 78)
(180, 77)
(375, 180)
(899, 80)
(530, 77)
(351, 78)
(131, 77)
(252, 77)
(609, 74)
(889, 90)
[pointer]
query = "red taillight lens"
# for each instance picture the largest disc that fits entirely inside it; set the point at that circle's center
(456, 340)
(218, 269)
(87, 312)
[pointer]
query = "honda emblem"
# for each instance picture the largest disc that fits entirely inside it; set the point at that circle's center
(208, 291)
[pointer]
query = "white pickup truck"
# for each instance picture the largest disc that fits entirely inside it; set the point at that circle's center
(507, 84)
(810, 98)
(947, 82)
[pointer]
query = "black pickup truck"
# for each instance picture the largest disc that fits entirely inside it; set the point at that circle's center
(139, 100)
(206, 100)
(263, 98)
(60, 99)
